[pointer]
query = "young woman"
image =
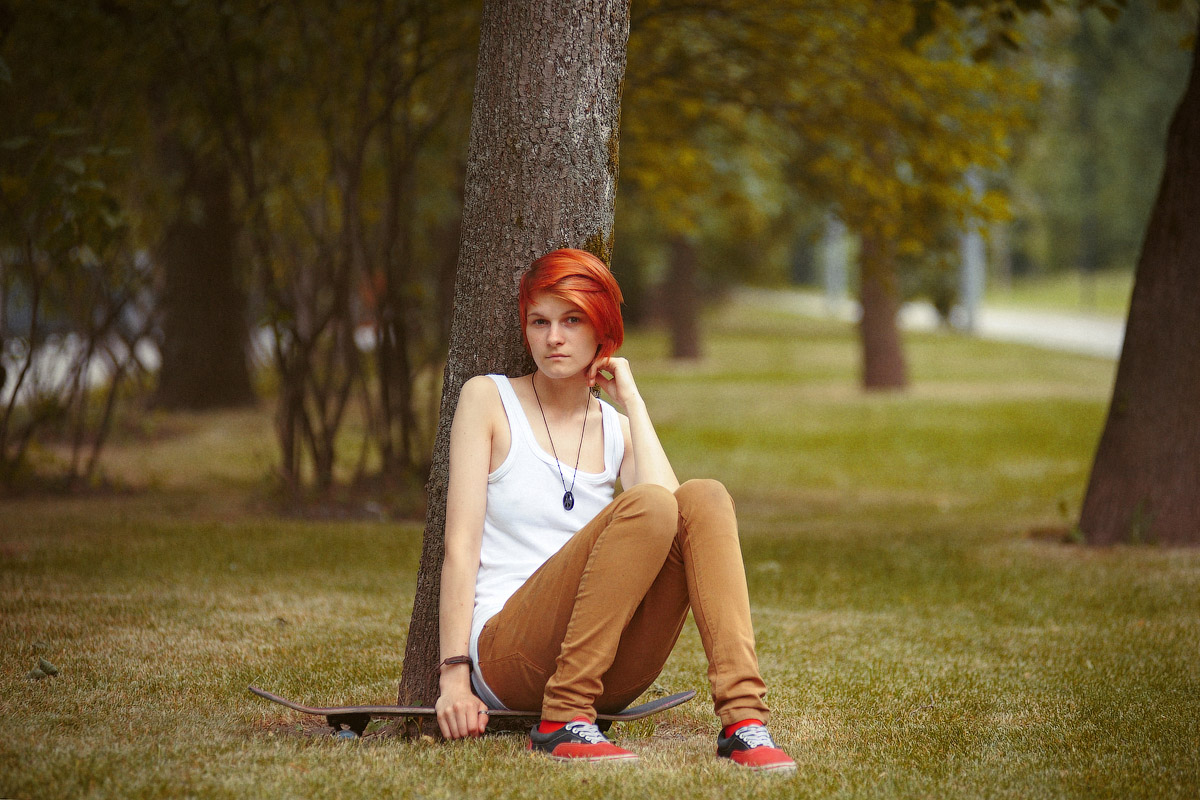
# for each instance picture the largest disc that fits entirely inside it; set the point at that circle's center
(554, 594)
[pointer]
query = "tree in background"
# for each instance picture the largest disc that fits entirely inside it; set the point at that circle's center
(831, 106)
(202, 301)
(1081, 198)
(1143, 486)
(74, 315)
(541, 174)
(702, 168)
(325, 114)
(308, 152)
(1143, 482)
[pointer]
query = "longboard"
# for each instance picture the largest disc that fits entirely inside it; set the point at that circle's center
(356, 718)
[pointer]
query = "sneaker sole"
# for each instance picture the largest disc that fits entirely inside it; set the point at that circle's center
(781, 769)
(592, 759)
(775, 769)
(623, 757)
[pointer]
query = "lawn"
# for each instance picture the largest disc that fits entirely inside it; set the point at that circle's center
(1104, 293)
(923, 626)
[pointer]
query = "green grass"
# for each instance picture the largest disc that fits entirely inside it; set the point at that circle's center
(916, 641)
(1105, 293)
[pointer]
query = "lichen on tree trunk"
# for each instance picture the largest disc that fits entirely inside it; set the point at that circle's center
(1145, 481)
(541, 174)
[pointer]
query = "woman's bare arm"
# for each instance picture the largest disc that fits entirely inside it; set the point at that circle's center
(470, 456)
(645, 460)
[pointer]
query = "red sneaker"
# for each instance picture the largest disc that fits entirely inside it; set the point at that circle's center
(752, 747)
(578, 740)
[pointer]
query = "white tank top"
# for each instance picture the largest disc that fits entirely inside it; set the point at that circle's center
(525, 522)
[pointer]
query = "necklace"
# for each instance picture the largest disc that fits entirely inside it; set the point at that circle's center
(568, 497)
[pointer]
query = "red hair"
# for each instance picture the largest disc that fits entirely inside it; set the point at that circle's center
(579, 278)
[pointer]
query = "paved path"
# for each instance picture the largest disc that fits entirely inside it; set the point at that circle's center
(1087, 334)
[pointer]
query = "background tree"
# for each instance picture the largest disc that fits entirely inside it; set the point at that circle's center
(308, 152)
(326, 114)
(73, 290)
(541, 174)
(1143, 485)
(202, 303)
(837, 109)
(1079, 187)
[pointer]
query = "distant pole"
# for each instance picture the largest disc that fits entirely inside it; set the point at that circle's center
(972, 267)
(835, 258)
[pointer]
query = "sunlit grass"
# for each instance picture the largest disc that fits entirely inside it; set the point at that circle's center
(917, 642)
(1106, 292)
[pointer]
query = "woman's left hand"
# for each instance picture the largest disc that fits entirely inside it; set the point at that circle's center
(620, 386)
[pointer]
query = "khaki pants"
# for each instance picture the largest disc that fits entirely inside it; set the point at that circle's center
(592, 628)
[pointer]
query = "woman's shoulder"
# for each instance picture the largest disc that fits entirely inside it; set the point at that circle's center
(480, 394)
(492, 382)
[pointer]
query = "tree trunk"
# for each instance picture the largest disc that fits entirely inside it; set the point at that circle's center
(1145, 482)
(541, 174)
(883, 351)
(681, 298)
(204, 321)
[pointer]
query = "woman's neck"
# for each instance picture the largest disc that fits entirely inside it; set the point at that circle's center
(564, 395)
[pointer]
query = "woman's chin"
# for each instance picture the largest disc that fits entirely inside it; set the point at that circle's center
(559, 369)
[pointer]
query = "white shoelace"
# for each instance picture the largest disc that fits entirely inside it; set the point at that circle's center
(755, 736)
(590, 733)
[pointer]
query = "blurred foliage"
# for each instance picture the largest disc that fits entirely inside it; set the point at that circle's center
(747, 121)
(325, 113)
(744, 125)
(344, 128)
(1083, 181)
(73, 293)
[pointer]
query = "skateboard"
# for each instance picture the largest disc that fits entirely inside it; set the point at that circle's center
(354, 719)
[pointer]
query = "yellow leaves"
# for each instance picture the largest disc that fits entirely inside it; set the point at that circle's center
(721, 105)
(995, 206)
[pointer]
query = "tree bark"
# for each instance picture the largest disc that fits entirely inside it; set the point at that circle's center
(204, 320)
(1145, 481)
(883, 361)
(681, 298)
(541, 174)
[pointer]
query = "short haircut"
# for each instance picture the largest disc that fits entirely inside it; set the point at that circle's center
(577, 277)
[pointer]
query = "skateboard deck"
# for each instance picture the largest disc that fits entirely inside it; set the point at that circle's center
(356, 718)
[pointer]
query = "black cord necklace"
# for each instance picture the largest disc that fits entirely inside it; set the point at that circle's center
(568, 497)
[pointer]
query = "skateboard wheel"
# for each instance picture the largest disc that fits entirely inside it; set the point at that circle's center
(345, 734)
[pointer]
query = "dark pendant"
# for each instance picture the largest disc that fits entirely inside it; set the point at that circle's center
(568, 501)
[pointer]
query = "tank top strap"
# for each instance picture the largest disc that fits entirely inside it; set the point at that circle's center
(524, 441)
(518, 423)
(614, 441)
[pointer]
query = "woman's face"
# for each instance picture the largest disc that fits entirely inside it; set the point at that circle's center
(561, 338)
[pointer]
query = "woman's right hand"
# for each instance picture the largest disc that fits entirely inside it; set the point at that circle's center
(460, 713)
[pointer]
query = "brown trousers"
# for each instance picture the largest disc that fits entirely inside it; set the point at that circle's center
(592, 628)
